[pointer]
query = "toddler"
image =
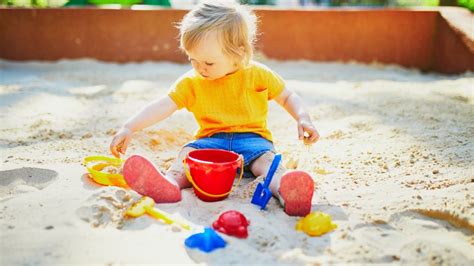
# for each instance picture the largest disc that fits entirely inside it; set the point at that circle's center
(228, 94)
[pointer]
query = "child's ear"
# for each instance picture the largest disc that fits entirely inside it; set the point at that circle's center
(240, 59)
(242, 50)
(242, 53)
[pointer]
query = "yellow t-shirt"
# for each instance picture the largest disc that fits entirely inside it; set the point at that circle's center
(237, 102)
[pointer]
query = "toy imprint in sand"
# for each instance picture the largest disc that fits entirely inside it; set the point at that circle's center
(107, 207)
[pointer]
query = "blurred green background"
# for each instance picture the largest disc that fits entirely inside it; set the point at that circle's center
(307, 3)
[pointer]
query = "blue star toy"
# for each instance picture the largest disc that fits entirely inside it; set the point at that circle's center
(206, 241)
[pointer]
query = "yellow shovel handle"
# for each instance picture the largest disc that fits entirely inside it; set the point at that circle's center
(159, 214)
(190, 179)
(145, 205)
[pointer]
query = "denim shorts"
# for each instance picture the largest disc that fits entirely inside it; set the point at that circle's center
(249, 145)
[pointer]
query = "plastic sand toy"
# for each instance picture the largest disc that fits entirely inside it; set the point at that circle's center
(232, 223)
(316, 224)
(206, 241)
(212, 172)
(262, 193)
(105, 170)
(145, 205)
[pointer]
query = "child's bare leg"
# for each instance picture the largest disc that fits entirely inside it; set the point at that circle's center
(260, 167)
(294, 189)
(176, 171)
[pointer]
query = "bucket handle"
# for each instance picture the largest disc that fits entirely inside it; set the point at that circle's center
(190, 179)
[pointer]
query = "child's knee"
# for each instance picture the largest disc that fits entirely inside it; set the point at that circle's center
(177, 168)
(267, 157)
(264, 160)
(262, 164)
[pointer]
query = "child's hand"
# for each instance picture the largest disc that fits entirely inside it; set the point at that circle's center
(120, 141)
(307, 132)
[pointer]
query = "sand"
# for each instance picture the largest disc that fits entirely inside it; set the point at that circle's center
(394, 168)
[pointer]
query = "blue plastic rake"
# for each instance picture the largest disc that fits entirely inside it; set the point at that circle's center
(262, 193)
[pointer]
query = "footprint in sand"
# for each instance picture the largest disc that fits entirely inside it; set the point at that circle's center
(432, 253)
(412, 238)
(425, 248)
(23, 180)
(338, 134)
(362, 126)
(424, 219)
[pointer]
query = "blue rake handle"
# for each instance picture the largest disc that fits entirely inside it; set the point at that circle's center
(271, 171)
(262, 194)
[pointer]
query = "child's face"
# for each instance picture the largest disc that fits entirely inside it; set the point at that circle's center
(208, 59)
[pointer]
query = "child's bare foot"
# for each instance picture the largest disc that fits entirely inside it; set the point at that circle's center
(296, 192)
(143, 177)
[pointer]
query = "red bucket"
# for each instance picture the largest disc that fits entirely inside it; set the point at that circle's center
(212, 172)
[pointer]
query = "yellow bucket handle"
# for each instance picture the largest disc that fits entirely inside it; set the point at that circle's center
(112, 161)
(190, 179)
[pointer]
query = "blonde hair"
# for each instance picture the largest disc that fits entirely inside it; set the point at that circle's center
(235, 27)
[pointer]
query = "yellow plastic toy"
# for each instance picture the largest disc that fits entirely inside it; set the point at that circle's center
(316, 224)
(145, 205)
(98, 166)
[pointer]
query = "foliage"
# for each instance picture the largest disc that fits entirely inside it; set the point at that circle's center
(382, 2)
(57, 3)
(358, 2)
(257, 2)
(34, 3)
(418, 2)
(469, 4)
